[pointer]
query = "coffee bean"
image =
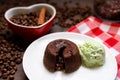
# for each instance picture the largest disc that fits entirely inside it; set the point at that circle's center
(4, 75)
(70, 16)
(4, 70)
(15, 68)
(8, 72)
(9, 67)
(18, 60)
(12, 64)
(29, 19)
(1, 62)
(8, 57)
(11, 77)
(12, 72)
(12, 59)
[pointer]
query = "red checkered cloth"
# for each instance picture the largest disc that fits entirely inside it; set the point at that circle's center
(107, 32)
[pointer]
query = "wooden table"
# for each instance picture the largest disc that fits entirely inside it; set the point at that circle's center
(6, 4)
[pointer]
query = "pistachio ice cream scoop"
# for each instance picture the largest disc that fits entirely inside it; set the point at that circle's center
(92, 53)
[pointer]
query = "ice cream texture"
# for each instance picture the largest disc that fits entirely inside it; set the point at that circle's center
(92, 53)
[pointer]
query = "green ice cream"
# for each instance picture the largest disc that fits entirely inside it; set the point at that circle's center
(92, 53)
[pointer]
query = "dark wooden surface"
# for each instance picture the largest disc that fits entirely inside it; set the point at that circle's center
(6, 4)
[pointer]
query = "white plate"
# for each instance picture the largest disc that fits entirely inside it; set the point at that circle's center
(35, 70)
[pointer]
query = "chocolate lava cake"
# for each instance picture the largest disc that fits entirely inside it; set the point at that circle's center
(62, 55)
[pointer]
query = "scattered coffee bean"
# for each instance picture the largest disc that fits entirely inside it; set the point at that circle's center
(1, 62)
(4, 70)
(15, 68)
(70, 16)
(4, 75)
(12, 64)
(10, 56)
(11, 77)
(18, 61)
(12, 72)
(8, 72)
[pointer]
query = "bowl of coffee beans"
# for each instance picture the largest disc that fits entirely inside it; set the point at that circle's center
(31, 22)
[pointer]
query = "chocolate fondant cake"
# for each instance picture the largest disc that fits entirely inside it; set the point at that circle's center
(62, 54)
